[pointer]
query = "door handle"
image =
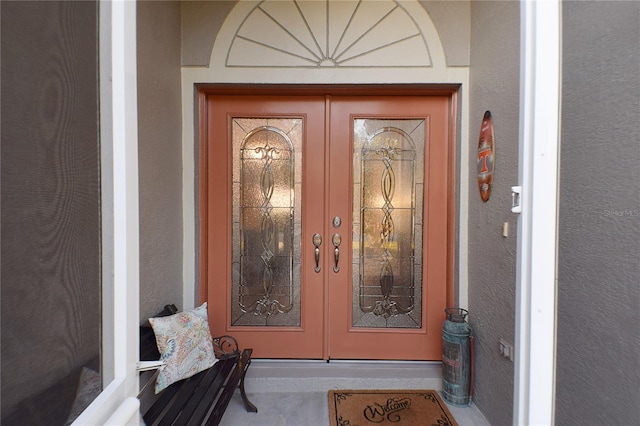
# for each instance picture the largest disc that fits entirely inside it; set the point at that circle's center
(337, 239)
(317, 240)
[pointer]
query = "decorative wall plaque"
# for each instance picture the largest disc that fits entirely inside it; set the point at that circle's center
(486, 157)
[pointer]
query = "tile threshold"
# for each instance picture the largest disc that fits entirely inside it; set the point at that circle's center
(313, 376)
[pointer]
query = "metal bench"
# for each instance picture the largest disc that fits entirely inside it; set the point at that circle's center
(200, 399)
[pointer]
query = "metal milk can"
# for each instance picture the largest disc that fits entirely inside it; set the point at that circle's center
(457, 357)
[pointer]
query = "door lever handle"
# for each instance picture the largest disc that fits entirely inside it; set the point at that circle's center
(317, 240)
(337, 239)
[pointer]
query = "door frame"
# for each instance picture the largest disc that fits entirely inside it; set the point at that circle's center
(538, 176)
(202, 152)
(117, 402)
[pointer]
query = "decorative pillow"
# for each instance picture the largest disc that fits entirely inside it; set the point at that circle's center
(185, 345)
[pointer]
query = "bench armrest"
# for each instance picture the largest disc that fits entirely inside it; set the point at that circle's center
(225, 347)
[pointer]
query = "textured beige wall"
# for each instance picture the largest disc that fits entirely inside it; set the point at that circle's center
(201, 21)
(598, 338)
(453, 22)
(494, 85)
(160, 155)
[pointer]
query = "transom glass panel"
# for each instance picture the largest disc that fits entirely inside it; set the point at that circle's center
(388, 164)
(266, 221)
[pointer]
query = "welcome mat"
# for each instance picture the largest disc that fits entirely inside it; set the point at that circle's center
(388, 407)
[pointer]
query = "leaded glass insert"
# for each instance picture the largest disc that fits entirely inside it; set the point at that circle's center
(388, 163)
(266, 221)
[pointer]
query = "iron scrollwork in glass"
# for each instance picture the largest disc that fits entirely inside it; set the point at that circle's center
(266, 223)
(387, 262)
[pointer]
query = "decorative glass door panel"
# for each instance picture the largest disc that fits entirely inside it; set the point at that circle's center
(388, 181)
(266, 223)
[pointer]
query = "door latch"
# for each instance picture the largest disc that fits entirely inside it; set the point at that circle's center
(516, 199)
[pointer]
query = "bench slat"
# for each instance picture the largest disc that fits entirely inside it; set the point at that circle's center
(225, 397)
(189, 388)
(196, 406)
(161, 403)
(177, 402)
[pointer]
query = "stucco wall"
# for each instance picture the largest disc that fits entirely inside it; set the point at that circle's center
(201, 21)
(598, 343)
(451, 18)
(160, 155)
(494, 82)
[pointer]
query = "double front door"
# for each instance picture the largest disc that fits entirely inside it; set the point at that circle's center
(327, 224)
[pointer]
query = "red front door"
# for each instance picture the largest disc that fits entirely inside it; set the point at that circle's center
(327, 224)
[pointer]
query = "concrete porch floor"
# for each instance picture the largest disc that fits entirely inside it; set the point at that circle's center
(294, 393)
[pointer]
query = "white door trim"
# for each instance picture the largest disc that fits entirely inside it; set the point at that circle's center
(119, 140)
(534, 382)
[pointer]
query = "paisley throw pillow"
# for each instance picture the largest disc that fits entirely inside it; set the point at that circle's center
(185, 345)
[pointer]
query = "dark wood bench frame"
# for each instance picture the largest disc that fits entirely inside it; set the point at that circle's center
(201, 399)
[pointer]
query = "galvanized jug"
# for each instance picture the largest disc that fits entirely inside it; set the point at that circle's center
(457, 357)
